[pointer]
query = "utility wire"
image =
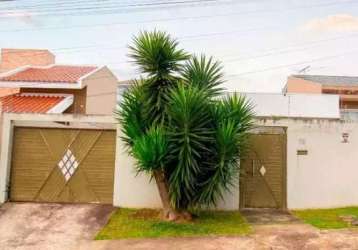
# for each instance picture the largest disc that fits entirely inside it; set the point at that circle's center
(292, 64)
(188, 18)
(183, 38)
(269, 52)
(80, 9)
(88, 4)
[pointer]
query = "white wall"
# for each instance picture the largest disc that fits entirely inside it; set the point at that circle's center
(328, 175)
(295, 105)
(137, 191)
(132, 190)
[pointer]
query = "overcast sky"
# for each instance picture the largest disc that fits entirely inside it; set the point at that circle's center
(259, 42)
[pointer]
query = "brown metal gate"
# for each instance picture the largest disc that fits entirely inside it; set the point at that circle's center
(62, 165)
(263, 171)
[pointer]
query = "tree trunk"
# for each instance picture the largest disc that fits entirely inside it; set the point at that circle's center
(169, 213)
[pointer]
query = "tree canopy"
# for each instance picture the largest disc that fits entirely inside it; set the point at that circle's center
(178, 122)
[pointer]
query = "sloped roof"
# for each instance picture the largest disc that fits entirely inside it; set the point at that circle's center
(30, 103)
(51, 74)
(331, 80)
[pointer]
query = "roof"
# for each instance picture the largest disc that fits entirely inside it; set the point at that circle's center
(49, 74)
(25, 50)
(34, 103)
(331, 80)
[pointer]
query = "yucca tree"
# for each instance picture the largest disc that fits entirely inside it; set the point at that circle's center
(180, 127)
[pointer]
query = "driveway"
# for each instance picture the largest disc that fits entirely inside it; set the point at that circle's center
(49, 226)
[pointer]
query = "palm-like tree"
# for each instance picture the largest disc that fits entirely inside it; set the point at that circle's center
(180, 128)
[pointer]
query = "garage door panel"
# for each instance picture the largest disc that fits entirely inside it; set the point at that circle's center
(102, 154)
(64, 196)
(83, 143)
(81, 189)
(57, 141)
(62, 165)
(51, 186)
(33, 164)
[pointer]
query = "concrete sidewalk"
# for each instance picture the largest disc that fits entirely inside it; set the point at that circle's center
(27, 226)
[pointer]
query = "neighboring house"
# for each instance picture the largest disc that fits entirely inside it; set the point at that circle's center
(295, 105)
(15, 58)
(67, 158)
(122, 87)
(93, 88)
(36, 103)
(344, 86)
(61, 148)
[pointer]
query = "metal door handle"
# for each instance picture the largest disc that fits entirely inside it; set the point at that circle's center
(253, 167)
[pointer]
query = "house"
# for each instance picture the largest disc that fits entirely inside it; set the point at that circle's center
(15, 58)
(295, 105)
(58, 133)
(40, 103)
(302, 155)
(65, 158)
(344, 86)
(93, 88)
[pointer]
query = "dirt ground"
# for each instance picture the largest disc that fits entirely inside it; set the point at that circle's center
(27, 226)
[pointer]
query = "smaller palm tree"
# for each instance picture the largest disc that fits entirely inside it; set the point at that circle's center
(180, 127)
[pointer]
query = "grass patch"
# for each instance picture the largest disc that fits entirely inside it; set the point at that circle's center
(327, 218)
(146, 223)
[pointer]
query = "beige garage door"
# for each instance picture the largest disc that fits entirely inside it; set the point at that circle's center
(62, 165)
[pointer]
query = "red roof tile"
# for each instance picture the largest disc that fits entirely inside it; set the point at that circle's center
(55, 73)
(30, 103)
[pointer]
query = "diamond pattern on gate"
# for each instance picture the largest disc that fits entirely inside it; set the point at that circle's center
(68, 165)
(262, 170)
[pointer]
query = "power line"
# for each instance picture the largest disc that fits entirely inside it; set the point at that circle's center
(180, 18)
(76, 4)
(66, 4)
(289, 65)
(115, 11)
(272, 51)
(187, 37)
(81, 8)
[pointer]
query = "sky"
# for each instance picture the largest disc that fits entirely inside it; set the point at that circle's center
(259, 43)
